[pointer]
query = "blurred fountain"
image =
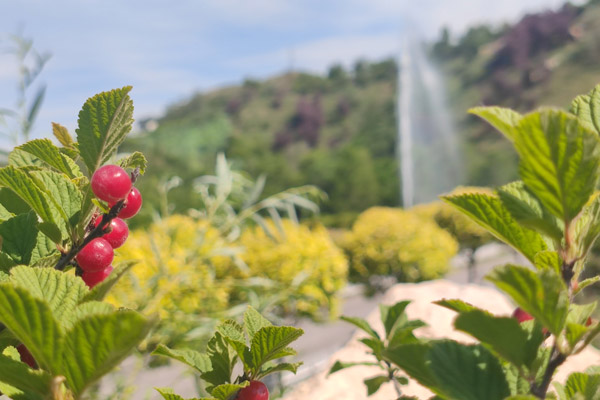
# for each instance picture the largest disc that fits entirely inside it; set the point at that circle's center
(427, 149)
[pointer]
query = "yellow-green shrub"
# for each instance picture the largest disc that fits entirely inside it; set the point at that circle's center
(398, 243)
(307, 266)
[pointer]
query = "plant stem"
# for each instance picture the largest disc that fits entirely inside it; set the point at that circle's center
(556, 359)
(97, 232)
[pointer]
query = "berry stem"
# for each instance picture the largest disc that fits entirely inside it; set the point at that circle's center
(96, 232)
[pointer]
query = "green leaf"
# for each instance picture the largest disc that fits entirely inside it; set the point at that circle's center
(503, 335)
(222, 358)
(32, 322)
(65, 194)
(583, 384)
(5, 214)
(47, 152)
(253, 322)
(392, 315)
(227, 390)
(20, 237)
(20, 376)
(24, 187)
(59, 290)
(403, 333)
(587, 109)
(574, 333)
(91, 308)
(586, 282)
(167, 394)
(291, 367)
(374, 344)
(98, 343)
(234, 334)
(527, 210)
(587, 227)
(412, 359)
(579, 313)
(456, 305)
(104, 121)
(271, 342)
(560, 161)
(542, 294)
(199, 361)
(489, 212)
(62, 135)
(503, 119)
(100, 291)
(548, 260)
(467, 372)
(134, 160)
(361, 324)
(373, 384)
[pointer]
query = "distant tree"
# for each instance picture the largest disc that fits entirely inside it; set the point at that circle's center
(337, 74)
(361, 73)
(385, 70)
(305, 125)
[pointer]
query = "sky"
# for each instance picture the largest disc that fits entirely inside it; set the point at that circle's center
(168, 50)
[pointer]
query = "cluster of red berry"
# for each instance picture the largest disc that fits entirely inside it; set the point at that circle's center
(112, 184)
(256, 390)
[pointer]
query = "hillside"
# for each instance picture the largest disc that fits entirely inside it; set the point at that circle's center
(339, 131)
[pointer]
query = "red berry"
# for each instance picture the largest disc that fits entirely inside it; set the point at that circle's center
(256, 390)
(111, 183)
(26, 356)
(96, 255)
(93, 278)
(588, 322)
(117, 234)
(133, 203)
(521, 315)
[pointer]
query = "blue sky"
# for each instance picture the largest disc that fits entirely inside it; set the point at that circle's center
(170, 49)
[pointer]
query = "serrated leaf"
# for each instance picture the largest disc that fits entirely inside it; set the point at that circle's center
(100, 291)
(560, 161)
(584, 384)
(234, 334)
(98, 343)
(579, 313)
(32, 322)
(503, 119)
(403, 333)
(362, 325)
(574, 333)
(167, 394)
(412, 359)
(338, 365)
(199, 361)
(5, 214)
(91, 308)
(19, 237)
(253, 322)
(62, 135)
(59, 290)
(527, 210)
(542, 294)
(489, 212)
(65, 194)
(47, 152)
(587, 227)
(587, 108)
(479, 376)
(290, 367)
(222, 358)
(373, 384)
(227, 390)
(271, 342)
(20, 376)
(548, 260)
(23, 160)
(134, 160)
(24, 187)
(104, 121)
(392, 315)
(503, 335)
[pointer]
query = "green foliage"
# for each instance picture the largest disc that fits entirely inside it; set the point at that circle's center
(387, 241)
(257, 345)
(398, 332)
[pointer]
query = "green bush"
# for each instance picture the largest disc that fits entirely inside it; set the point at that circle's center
(398, 243)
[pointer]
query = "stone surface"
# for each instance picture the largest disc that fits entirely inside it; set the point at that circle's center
(348, 385)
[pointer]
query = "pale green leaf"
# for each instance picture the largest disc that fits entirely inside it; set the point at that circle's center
(168, 394)
(542, 294)
(373, 384)
(253, 322)
(222, 359)
(98, 343)
(104, 121)
(47, 152)
(585, 283)
(90, 308)
(548, 260)
(19, 237)
(271, 342)
(560, 161)
(134, 160)
(5, 214)
(456, 305)
(587, 227)
(226, 391)
(587, 108)
(65, 194)
(503, 119)
(574, 333)
(62, 135)
(489, 212)
(583, 384)
(199, 361)
(19, 376)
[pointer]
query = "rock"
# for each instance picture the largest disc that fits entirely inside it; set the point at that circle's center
(348, 384)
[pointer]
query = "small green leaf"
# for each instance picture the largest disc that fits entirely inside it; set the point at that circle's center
(373, 384)
(586, 282)
(456, 305)
(18, 375)
(134, 160)
(503, 119)
(234, 334)
(62, 135)
(560, 160)
(167, 394)
(489, 212)
(100, 291)
(253, 322)
(290, 367)
(222, 358)
(587, 109)
(47, 152)
(528, 210)
(587, 227)
(199, 361)
(574, 333)
(227, 390)
(579, 383)
(542, 294)
(412, 359)
(374, 344)
(467, 372)
(393, 315)
(64, 194)
(548, 260)
(104, 121)
(271, 342)
(338, 365)
(20, 237)
(361, 324)
(403, 333)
